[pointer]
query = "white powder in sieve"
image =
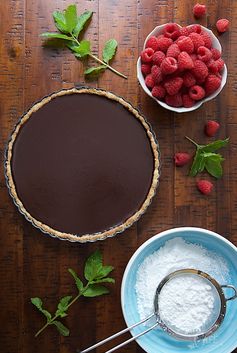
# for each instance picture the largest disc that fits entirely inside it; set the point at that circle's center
(177, 254)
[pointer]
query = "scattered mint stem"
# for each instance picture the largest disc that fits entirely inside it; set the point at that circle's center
(95, 273)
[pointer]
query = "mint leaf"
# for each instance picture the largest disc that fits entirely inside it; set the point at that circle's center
(95, 290)
(52, 35)
(104, 271)
(95, 70)
(37, 302)
(214, 146)
(60, 21)
(63, 330)
(83, 49)
(198, 163)
(81, 22)
(214, 168)
(71, 17)
(93, 266)
(109, 50)
(78, 282)
(63, 306)
(105, 280)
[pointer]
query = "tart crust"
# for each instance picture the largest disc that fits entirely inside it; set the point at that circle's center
(86, 237)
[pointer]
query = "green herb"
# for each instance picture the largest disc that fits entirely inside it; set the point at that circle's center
(95, 273)
(206, 158)
(70, 27)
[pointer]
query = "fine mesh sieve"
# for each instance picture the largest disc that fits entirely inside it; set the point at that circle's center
(214, 320)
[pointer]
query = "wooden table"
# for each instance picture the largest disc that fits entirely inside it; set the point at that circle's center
(33, 264)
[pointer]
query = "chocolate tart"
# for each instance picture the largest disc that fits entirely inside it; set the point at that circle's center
(82, 164)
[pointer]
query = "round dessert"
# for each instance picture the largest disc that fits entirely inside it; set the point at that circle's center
(82, 164)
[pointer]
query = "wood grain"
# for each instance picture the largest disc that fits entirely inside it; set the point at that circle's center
(32, 264)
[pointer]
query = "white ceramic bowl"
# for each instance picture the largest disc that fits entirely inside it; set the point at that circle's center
(216, 44)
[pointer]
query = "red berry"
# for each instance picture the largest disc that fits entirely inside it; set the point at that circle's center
(173, 51)
(164, 43)
(188, 79)
(199, 10)
(156, 74)
(146, 69)
(181, 158)
(196, 93)
(184, 31)
(158, 57)
(212, 83)
(173, 85)
(149, 81)
(204, 186)
(211, 128)
(195, 29)
(193, 56)
(207, 40)
(222, 25)
(172, 30)
(158, 92)
(152, 43)
(197, 40)
(185, 62)
(146, 55)
(212, 66)
(220, 64)
(204, 54)
(188, 102)
(216, 54)
(174, 101)
(169, 65)
(200, 70)
(186, 44)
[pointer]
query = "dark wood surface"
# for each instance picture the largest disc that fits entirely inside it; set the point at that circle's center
(33, 264)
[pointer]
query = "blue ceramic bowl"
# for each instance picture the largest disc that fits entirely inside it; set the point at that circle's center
(224, 340)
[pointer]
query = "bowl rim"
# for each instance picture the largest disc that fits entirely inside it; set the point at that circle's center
(198, 104)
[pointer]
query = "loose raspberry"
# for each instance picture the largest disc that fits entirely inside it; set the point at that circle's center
(195, 29)
(169, 65)
(172, 30)
(222, 25)
(216, 54)
(204, 54)
(158, 57)
(212, 66)
(158, 92)
(196, 93)
(188, 102)
(204, 186)
(186, 44)
(149, 81)
(197, 40)
(188, 79)
(164, 43)
(199, 10)
(220, 64)
(212, 83)
(152, 43)
(146, 55)
(184, 61)
(173, 51)
(146, 69)
(173, 85)
(200, 70)
(207, 40)
(184, 31)
(174, 101)
(181, 158)
(211, 128)
(156, 74)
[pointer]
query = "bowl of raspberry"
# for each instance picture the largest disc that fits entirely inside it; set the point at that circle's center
(181, 67)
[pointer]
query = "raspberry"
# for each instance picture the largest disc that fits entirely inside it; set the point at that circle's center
(156, 74)
(199, 10)
(196, 93)
(173, 51)
(174, 101)
(186, 44)
(164, 43)
(222, 25)
(146, 55)
(200, 70)
(173, 85)
(216, 54)
(188, 79)
(220, 64)
(219, 76)
(172, 31)
(181, 158)
(193, 57)
(184, 31)
(188, 102)
(211, 128)
(146, 69)
(204, 54)
(152, 43)
(149, 81)
(212, 66)
(195, 29)
(158, 92)
(204, 186)
(212, 83)
(169, 65)
(207, 40)
(197, 40)
(184, 61)
(158, 57)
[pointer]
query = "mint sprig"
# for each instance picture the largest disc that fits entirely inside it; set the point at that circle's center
(70, 26)
(95, 273)
(206, 158)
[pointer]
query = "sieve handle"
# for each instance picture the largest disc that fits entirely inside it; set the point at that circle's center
(234, 296)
